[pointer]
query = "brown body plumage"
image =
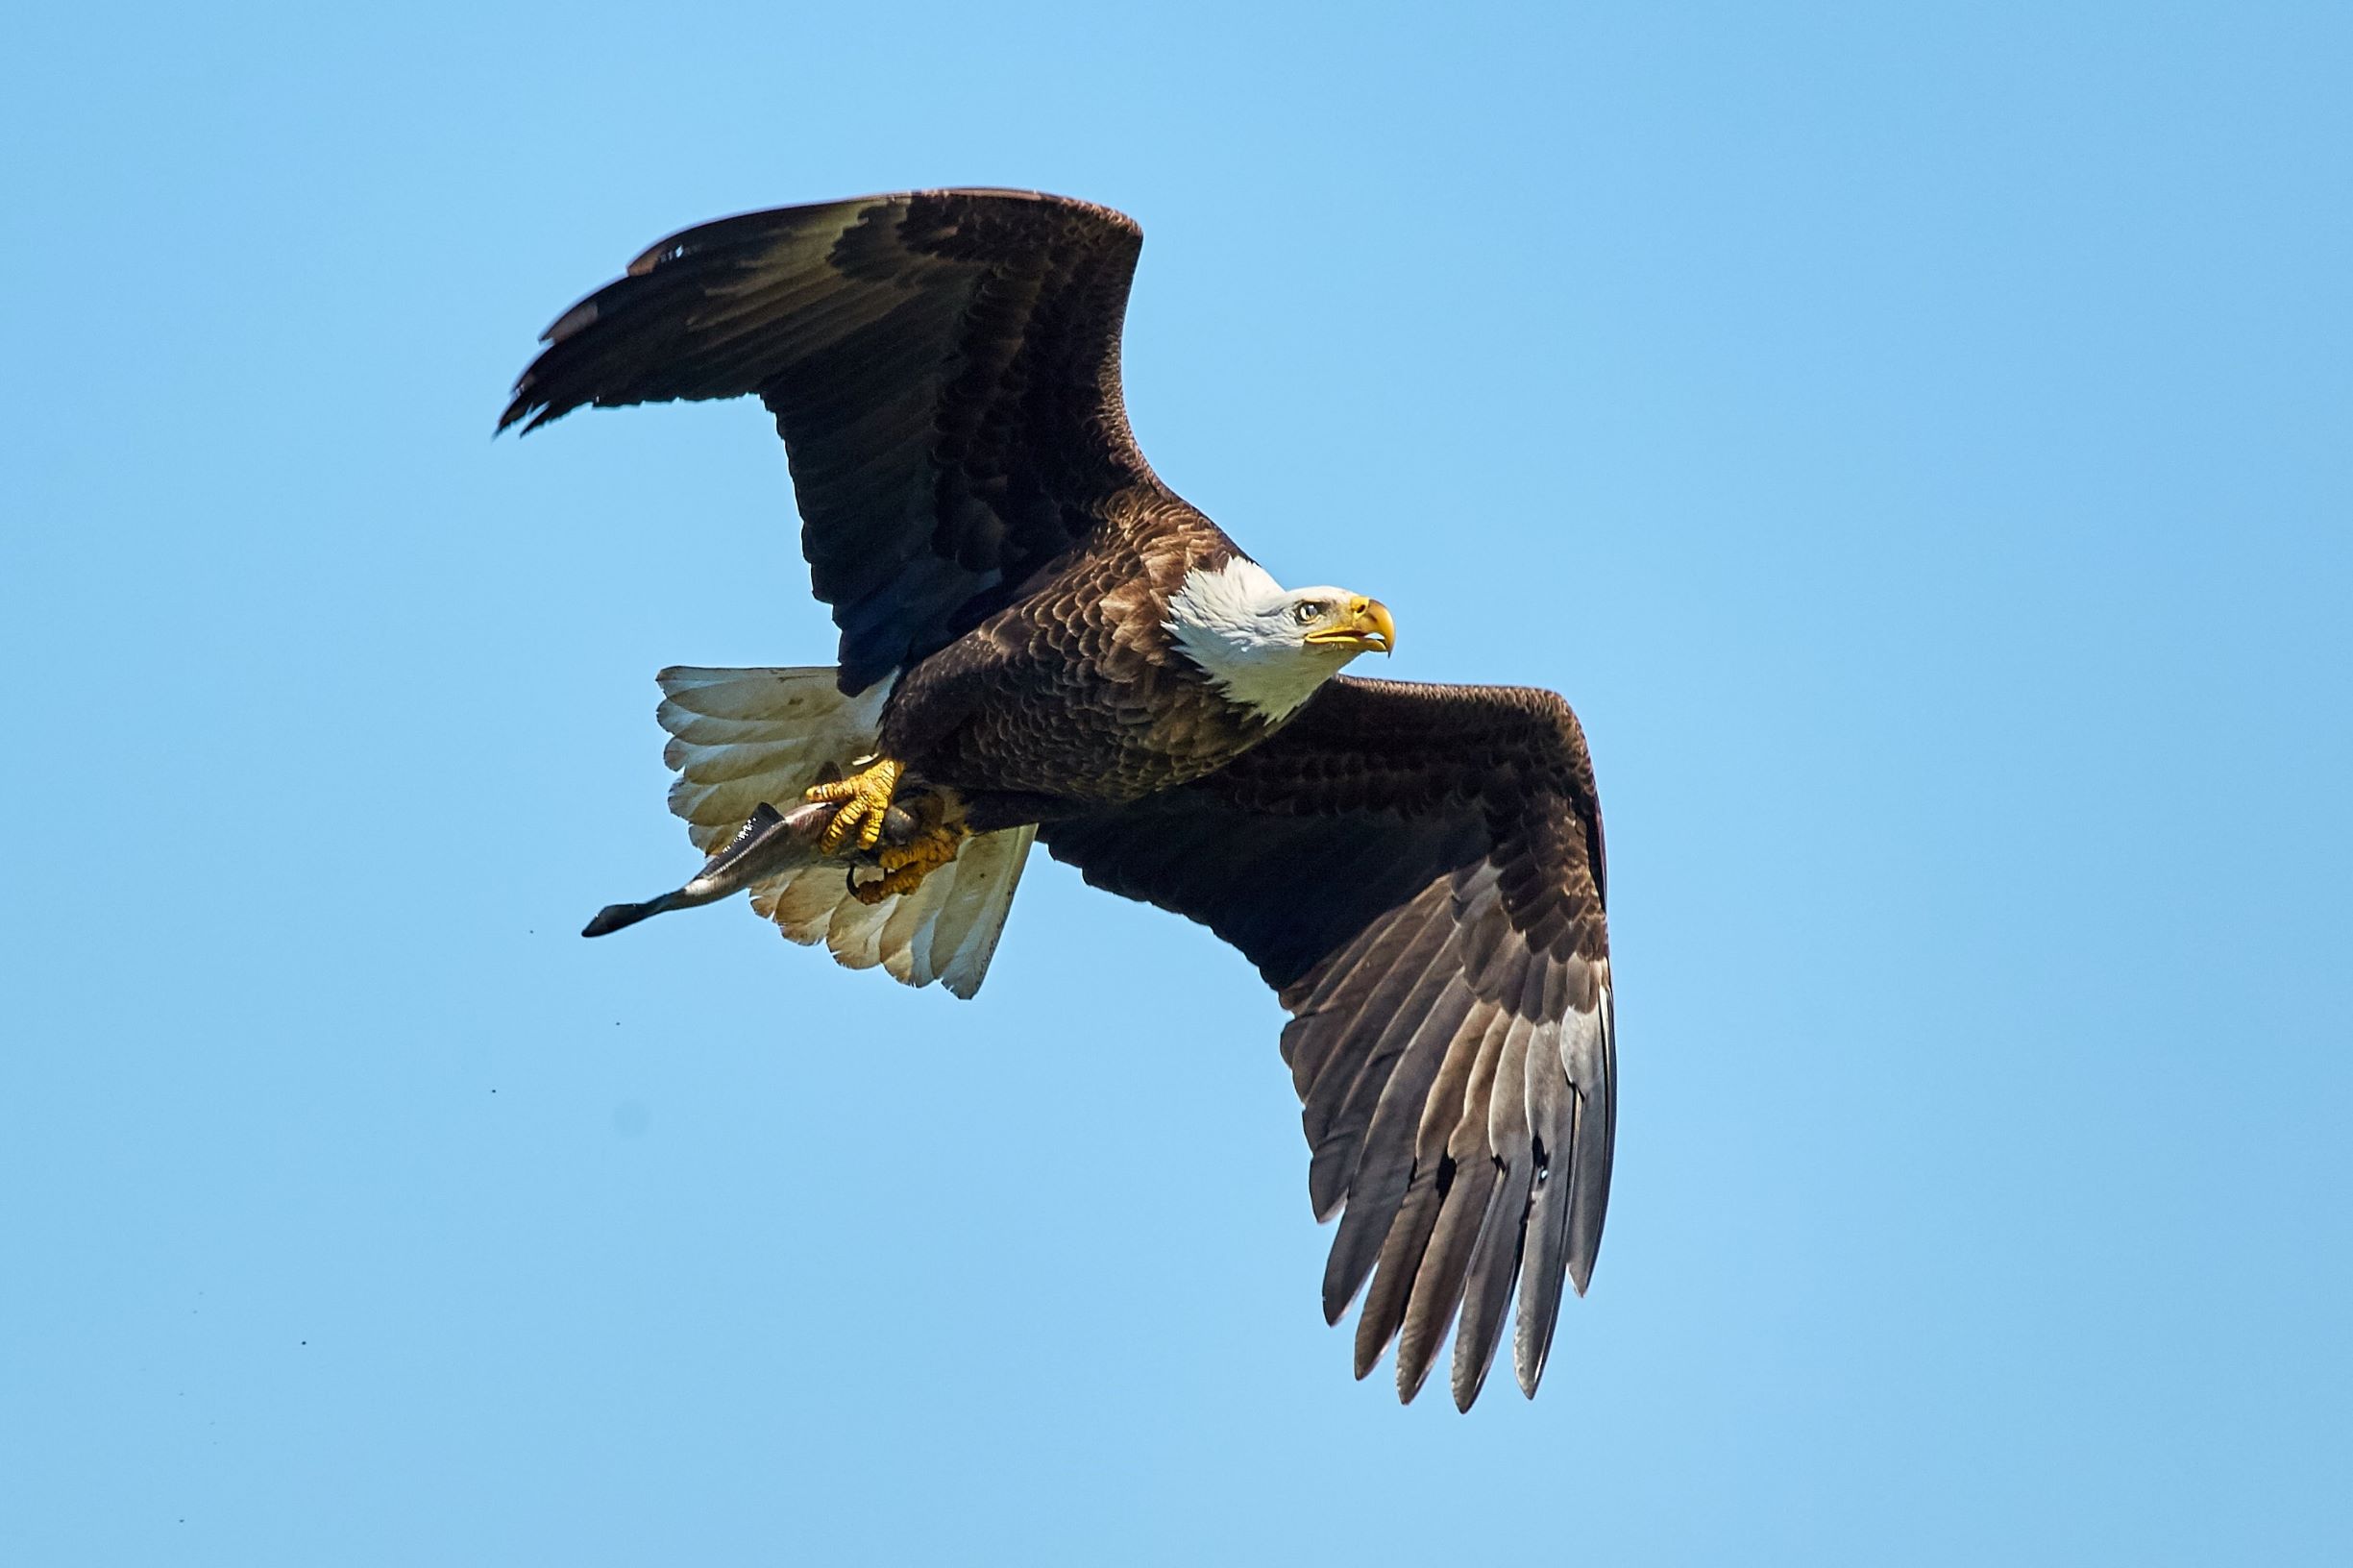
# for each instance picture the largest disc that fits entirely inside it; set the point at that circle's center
(1416, 870)
(1072, 696)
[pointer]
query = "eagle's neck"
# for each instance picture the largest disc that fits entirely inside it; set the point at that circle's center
(1234, 622)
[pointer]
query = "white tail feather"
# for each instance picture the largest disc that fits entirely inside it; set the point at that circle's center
(740, 738)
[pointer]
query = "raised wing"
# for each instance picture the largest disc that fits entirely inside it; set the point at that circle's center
(943, 367)
(1417, 870)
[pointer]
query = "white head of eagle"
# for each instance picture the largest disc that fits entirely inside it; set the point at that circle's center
(1267, 647)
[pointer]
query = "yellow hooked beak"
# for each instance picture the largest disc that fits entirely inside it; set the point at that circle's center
(1365, 628)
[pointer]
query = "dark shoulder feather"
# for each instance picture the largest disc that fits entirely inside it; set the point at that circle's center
(1418, 872)
(943, 367)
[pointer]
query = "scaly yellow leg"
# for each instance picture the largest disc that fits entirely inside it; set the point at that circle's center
(864, 796)
(905, 865)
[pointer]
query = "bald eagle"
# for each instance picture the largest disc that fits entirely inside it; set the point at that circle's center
(1039, 641)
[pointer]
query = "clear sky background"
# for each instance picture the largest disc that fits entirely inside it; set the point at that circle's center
(1915, 437)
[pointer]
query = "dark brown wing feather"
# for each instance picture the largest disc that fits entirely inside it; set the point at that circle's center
(943, 367)
(1418, 872)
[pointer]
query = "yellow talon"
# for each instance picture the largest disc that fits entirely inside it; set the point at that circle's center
(904, 866)
(864, 796)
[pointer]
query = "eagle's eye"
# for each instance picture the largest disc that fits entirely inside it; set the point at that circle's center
(1308, 613)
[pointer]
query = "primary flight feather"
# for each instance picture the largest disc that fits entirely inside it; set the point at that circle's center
(1042, 642)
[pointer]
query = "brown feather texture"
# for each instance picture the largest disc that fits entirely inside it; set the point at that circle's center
(1418, 872)
(943, 367)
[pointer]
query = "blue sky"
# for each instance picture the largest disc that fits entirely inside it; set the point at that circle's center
(1914, 438)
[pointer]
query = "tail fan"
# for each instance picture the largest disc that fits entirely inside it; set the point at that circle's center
(741, 739)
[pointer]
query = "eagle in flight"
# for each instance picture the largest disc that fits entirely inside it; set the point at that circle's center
(1042, 642)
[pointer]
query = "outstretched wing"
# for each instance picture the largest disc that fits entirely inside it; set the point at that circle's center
(1418, 872)
(943, 367)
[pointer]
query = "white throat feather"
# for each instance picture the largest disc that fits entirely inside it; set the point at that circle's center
(1235, 624)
